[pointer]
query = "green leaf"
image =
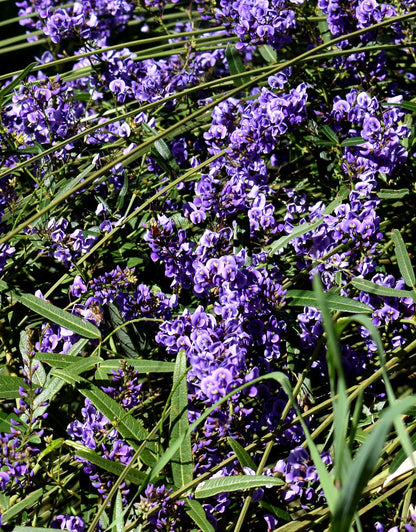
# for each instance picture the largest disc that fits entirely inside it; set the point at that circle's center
(235, 64)
(214, 486)
(353, 141)
(268, 53)
(77, 368)
(342, 456)
(243, 457)
(121, 333)
(9, 386)
(55, 360)
(386, 193)
(23, 504)
(197, 513)
(410, 106)
(129, 427)
(363, 465)
(403, 259)
(181, 463)
(15, 82)
(118, 521)
(380, 290)
(54, 314)
(330, 134)
(32, 529)
(306, 298)
(297, 231)
(140, 365)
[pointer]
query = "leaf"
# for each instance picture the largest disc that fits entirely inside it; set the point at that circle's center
(342, 456)
(268, 53)
(353, 141)
(181, 463)
(15, 82)
(32, 529)
(116, 468)
(403, 259)
(118, 513)
(410, 106)
(140, 365)
(330, 134)
(306, 298)
(386, 193)
(78, 367)
(363, 465)
(213, 486)
(243, 457)
(235, 65)
(121, 333)
(129, 427)
(55, 360)
(9, 386)
(298, 231)
(197, 513)
(23, 504)
(54, 314)
(380, 290)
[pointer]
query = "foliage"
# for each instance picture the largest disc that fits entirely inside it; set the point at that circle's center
(207, 291)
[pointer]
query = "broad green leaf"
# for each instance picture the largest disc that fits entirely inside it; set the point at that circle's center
(235, 65)
(181, 463)
(380, 290)
(386, 193)
(213, 486)
(403, 259)
(268, 53)
(23, 504)
(306, 298)
(9, 386)
(55, 360)
(330, 134)
(133, 475)
(353, 141)
(243, 457)
(140, 365)
(81, 365)
(363, 465)
(54, 314)
(197, 513)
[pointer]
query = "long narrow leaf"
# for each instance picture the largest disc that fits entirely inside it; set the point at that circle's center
(197, 513)
(54, 314)
(403, 259)
(181, 463)
(363, 465)
(213, 486)
(307, 298)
